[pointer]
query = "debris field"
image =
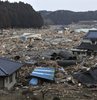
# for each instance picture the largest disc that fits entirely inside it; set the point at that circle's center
(48, 48)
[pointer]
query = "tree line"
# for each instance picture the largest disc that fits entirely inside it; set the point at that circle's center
(19, 15)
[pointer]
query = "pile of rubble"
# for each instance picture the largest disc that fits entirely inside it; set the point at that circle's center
(47, 48)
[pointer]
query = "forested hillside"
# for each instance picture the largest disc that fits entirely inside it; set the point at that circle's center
(19, 15)
(63, 17)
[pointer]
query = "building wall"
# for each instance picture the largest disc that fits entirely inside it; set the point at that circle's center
(1, 82)
(10, 81)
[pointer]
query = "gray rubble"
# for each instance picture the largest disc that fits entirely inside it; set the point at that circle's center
(37, 53)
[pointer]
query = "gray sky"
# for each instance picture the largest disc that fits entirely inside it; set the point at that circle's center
(74, 5)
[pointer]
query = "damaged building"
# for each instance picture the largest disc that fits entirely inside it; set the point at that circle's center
(88, 77)
(88, 45)
(8, 73)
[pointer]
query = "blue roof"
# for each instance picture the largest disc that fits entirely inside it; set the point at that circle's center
(7, 67)
(92, 34)
(44, 72)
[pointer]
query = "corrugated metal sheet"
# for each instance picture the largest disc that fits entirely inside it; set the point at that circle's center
(44, 72)
(8, 66)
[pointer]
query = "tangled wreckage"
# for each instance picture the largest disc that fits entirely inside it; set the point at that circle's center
(55, 65)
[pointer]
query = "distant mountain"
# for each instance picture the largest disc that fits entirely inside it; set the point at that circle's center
(19, 15)
(44, 13)
(65, 17)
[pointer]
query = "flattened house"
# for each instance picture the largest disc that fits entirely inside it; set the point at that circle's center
(88, 45)
(8, 72)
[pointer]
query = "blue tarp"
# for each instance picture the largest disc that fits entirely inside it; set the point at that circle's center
(44, 72)
(33, 81)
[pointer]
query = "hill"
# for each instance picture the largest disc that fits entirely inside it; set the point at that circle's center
(19, 15)
(65, 17)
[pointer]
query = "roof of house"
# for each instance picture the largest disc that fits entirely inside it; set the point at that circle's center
(88, 78)
(92, 34)
(2, 73)
(87, 46)
(7, 67)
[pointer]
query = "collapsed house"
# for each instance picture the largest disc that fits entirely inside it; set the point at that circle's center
(60, 29)
(30, 36)
(62, 54)
(88, 77)
(63, 57)
(8, 73)
(59, 54)
(88, 45)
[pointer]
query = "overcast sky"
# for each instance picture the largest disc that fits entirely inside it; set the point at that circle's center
(74, 5)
